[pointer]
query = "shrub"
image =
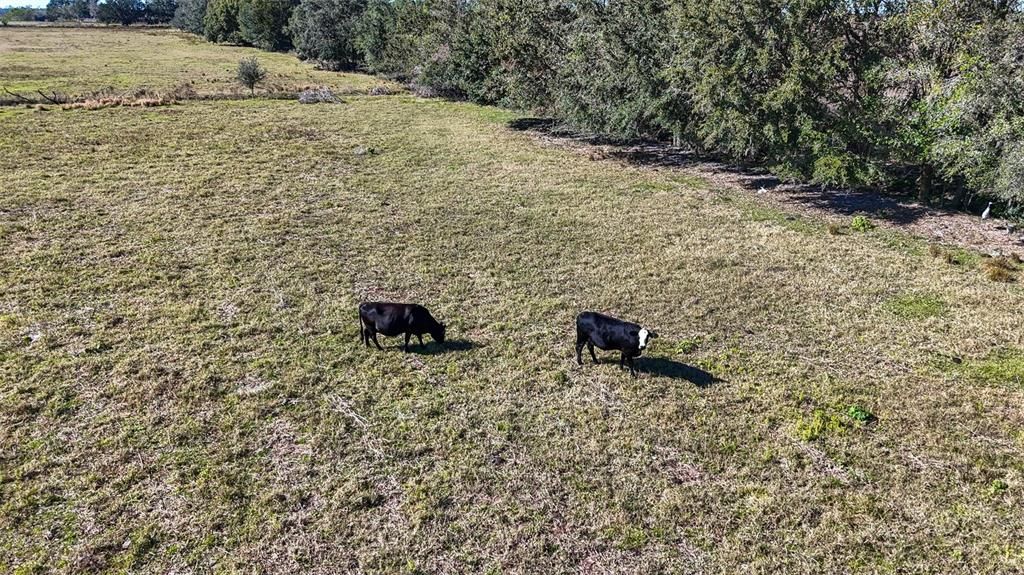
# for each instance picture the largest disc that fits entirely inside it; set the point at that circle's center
(393, 37)
(263, 23)
(325, 31)
(975, 112)
(251, 72)
(528, 45)
(832, 170)
(607, 81)
(189, 16)
(861, 224)
(859, 414)
(220, 22)
(123, 12)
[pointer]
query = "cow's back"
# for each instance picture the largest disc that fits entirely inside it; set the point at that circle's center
(604, 331)
(388, 318)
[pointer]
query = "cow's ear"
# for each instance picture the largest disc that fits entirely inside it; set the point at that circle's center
(652, 335)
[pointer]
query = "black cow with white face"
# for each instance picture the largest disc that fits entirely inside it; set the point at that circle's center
(393, 319)
(608, 333)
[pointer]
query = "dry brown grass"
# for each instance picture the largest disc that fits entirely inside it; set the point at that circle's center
(1000, 269)
(838, 230)
(182, 389)
(998, 274)
(383, 90)
(140, 97)
(77, 62)
(98, 104)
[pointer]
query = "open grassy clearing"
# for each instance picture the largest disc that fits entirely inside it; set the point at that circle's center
(77, 61)
(183, 388)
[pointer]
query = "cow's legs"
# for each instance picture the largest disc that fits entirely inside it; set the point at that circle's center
(581, 340)
(407, 335)
(419, 336)
(373, 334)
(590, 346)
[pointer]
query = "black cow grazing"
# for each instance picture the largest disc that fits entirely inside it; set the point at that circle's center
(609, 333)
(393, 319)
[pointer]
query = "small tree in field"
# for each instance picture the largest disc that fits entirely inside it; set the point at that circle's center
(250, 73)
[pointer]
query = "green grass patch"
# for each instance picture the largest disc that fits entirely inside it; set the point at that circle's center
(960, 257)
(820, 423)
(916, 306)
(1004, 367)
(789, 221)
(903, 242)
(689, 345)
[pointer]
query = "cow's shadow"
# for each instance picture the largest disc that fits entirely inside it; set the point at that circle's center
(434, 348)
(676, 370)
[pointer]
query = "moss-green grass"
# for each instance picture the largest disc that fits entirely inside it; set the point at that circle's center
(182, 387)
(77, 61)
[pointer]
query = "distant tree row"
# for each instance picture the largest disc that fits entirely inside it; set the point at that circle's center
(113, 11)
(905, 94)
(21, 14)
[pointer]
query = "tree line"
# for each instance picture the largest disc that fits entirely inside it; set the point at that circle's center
(113, 11)
(21, 14)
(899, 95)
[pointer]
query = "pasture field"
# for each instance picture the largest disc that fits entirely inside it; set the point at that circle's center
(182, 387)
(79, 61)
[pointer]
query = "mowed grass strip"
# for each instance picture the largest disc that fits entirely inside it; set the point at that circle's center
(78, 61)
(183, 385)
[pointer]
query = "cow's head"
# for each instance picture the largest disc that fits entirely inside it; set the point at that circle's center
(438, 333)
(646, 336)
